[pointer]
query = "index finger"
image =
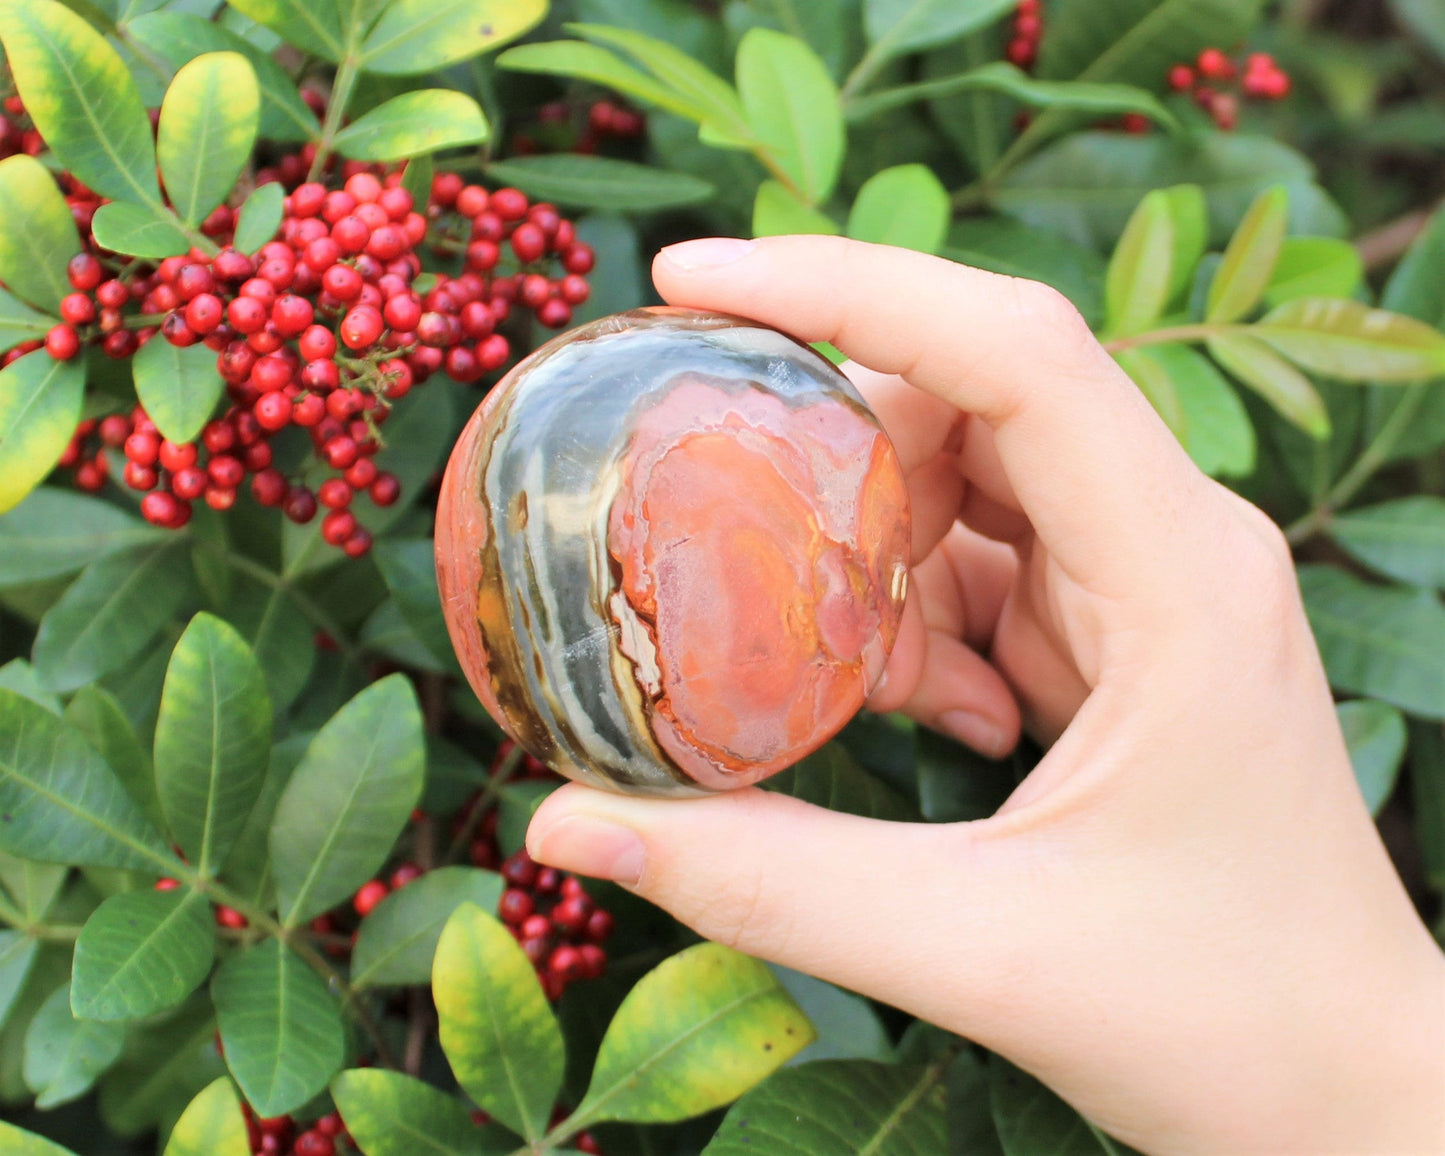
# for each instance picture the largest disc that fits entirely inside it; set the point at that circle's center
(1099, 475)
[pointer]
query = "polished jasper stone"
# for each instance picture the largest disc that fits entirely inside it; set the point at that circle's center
(672, 550)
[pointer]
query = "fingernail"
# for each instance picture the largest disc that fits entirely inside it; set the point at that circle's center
(983, 735)
(590, 846)
(707, 253)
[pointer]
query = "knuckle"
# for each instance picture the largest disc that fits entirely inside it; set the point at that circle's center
(1043, 306)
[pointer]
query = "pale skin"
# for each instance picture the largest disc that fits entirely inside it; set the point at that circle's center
(1183, 920)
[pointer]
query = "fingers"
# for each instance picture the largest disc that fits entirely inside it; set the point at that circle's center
(805, 887)
(1099, 475)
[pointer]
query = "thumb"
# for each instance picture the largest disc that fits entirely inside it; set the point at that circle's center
(834, 895)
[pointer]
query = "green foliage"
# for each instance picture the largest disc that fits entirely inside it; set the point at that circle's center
(238, 709)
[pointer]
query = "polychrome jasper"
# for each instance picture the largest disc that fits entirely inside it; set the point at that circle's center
(672, 550)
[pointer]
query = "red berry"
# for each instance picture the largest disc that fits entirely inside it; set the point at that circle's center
(1215, 65)
(571, 915)
(77, 309)
(90, 476)
(565, 963)
(308, 410)
(493, 351)
(1028, 25)
(139, 477)
(321, 374)
(388, 242)
(402, 312)
(364, 187)
(556, 314)
(1022, 52)
(362, 474)
(1181, 78)
(462, 365)
(193, 279)
(599, 926)
(300, 505)
(358, 543)
(142, 447)
(385, 490)
(292, 315)
(112, 295)
(520, 870)
(226, 471)
(342, 282)
(314, 1144)
(316, 343)
(177, 456)
(340, 452)
(189, 483)
(307, 200)
(334, 494)
(62, 343)
(269, 487)
(515, 906)
(257, 456)
(231, 918)
(445, 188)
(167, 884)
(218, 437)
(247, 315)
(175, 330)
(271, 372)
(273, 410)
(578, 258)
(114, 430)
(337, 526)
(574, 289)
(406, 873)
(351, 234)
(594, 960)
(529, 242)
(1135, 123)
(368, 895)
(509, 204)
(361, 328)
(85, 272)
(205, 313)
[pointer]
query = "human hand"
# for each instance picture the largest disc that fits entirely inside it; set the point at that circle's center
(1183, 920)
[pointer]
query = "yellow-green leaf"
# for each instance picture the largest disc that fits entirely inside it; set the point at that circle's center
(416, 36)
(777, 212)
(1315, 267)
(18, 1142)
(499, 1035)
(1274, 379)
(425, 121)
(590, 62)
(81, 96)
(696, 1032)
(1352, 342)
(260, 218)
(207, 131)
(139, 230)
(793, 109)
(211, 1125)
(1141, 272)
(905, 205)
(311, 25)
(1190, 213)
(390, 1114)
(1250, 259)
(19, 323)
(40, 401)
(37, 233)
(1197, 404)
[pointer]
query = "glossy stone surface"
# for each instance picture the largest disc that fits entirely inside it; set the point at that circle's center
(672, 550)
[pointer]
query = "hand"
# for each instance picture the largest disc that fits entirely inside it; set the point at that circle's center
(1183, 920)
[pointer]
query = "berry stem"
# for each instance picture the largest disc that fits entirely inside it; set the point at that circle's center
(341, 89)
(1187, 334)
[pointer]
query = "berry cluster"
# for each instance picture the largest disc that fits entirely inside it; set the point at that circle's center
(1217, 82)
(17, 134)
(559, 127)
(1028, 31)
(326, 328)
(282, 1136)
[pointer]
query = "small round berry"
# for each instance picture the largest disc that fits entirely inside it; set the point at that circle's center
(362, 474)
(142, 447)
(292, 315)
(388, 242)
(385, 490)
(159, 508)
(84, 272)
(307, 199)
(273, 410)
(337, 205)
(599, 926)
(62, 342)
(351, 234)
(321, 374)
(189, 483)
(77, 309)
(269, 487)
(358, 544)
(193, 279)
(594, 960)
(556, 314)
(257, 456)
(1215, 65)
(509, 204)
(462, 365)
(565, 963)
(314, 1143)
(342, 282)
(167, 884)
(1022, 51)
(343, 404)
(492, 352)
(90, 476)
(247, 315)
(406, 873)
(579, 258)
(574, 289)
(229, 917)
(226, 471)
(175, 330)
(337, 526)
(112, 295)
(529, 243)
(139, 477)
(402, 312)
(204, 313)
(368, 895)
(397, 377)
(334, 494)
(114, 430)
(340, 452)
(218, 437)
(307, 410)
(176, 455)
(361, 328)
(220, 497)
(1181, 78)
(515, 906)
(316, 343)
(300, 505)
(534, 290)
(321, 254)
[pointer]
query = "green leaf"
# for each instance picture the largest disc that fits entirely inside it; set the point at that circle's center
(1427, 797)
(696, 1032)
(1031, 1120)
(831, 778)
(1197, 404)
(1425, 19)
(848, 1027)
(717, 104)
(162, 1068)
(1352, 342)
(281, 637)
(897, 27)
(34, 887)
(211, 1125)
(1380, 641)
(213, 740)
(414, 123)
(1141, 274)
(792, 105)
(348, 800)
(179, 37)
(839, 1106)
(249, 868)
(574, 58)
(80, 95)
(1087, 185)
(1190, 214)
(1314, 267)
(37, 239)
(1403, 538)
(516, 804)
(1003, 245)
(65, 1056)
(1101, 100)
(139, 231)
(397, 942)
(409, 568)
(60, 803)
(17, 955)
(40, 403)
(57, 532)
(260, 218)
(179, 387)
(110, 614)
(140, 953)
(417, 179)
(777, 212)
(905, 205)
(207, 131)
(94, 712)
(390, 1114)
(416, 36)
(499, 1035)
(313, 26)
(1250, 260)
(18, 322)
(18, 1142)
(19, 676)
(1375, 734)
(281, 1029)
(1289, 391)
(600, 182)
